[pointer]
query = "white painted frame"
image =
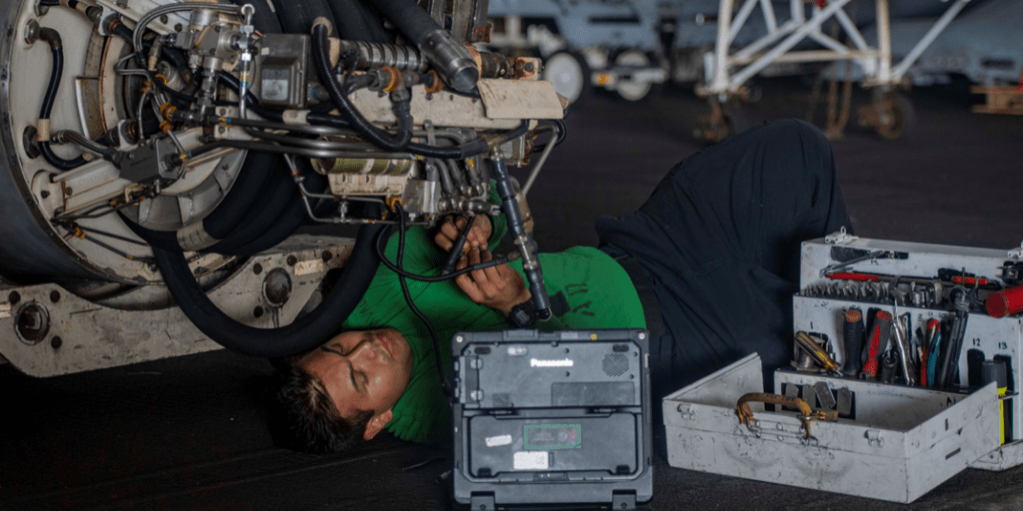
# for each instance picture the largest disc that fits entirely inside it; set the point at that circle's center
(727, 72)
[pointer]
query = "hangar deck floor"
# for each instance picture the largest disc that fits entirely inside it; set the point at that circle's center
(188, 433)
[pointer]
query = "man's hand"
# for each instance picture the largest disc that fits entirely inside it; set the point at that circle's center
(452, 228)
(498, 287)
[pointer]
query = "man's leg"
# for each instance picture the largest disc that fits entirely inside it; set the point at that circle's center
(719, 238)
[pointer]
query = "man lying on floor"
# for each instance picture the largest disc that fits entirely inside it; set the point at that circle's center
(714, 253)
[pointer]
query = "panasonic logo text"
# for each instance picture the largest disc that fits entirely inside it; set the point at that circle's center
(551, 363)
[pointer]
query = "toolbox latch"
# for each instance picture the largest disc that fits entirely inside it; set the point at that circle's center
(840, 238)
(874, 438)
(687, 412)
(1017, 253)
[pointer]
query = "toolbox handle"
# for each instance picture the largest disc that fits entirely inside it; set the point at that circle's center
(805, 413)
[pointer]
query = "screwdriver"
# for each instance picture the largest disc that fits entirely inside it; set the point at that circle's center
(817, 353)
(880, 331)
(933, 350)
(852, 332)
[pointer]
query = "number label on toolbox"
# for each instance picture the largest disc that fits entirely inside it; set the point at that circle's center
(536, 460)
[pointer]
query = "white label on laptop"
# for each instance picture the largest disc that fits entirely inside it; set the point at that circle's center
(532, 460)
(497, 441)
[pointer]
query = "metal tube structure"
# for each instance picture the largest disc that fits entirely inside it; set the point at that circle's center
(929, 37)
(884, 43)
(789, 43)
(876, 63)
(741, 17)
(721, 47)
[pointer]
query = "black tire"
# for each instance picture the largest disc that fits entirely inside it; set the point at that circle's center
(569, 69)
(903, 117)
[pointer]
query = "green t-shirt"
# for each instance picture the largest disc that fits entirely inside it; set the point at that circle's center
(598, 291)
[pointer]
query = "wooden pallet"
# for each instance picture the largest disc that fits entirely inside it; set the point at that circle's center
(1000, 100)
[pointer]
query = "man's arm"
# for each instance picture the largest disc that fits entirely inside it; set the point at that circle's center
(499, 287)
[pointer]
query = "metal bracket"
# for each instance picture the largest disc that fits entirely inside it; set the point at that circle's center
(840, 238)
(874, 439)
(687, 413)
(1017, 253)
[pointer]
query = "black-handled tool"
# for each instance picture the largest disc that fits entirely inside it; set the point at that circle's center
(522, 239)
(852, 334)
(457, 248)
(995, 371)
(889, 366)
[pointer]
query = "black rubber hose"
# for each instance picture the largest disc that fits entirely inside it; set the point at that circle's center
(52, 37)
(174, 55)
(402, 109)
(254, 175)
(298, 17)
(408, 17)
(242, 196)
(279, 193)
(356, 21)
(303, 334)
(288, 222)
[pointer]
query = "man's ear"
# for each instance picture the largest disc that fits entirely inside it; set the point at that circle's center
(376, 424)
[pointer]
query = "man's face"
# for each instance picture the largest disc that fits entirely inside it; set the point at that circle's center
(363, 370)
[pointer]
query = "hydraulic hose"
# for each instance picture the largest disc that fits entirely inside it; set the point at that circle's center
(357, 22)
(298, 17)
(279, 193)
(452, 60)
(52, 37)
(256, 172)
(402, 109)
(293, 217)
(301, 335)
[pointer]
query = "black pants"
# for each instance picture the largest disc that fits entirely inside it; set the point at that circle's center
(719, 241)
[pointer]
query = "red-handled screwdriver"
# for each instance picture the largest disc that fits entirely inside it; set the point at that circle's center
(880, 331)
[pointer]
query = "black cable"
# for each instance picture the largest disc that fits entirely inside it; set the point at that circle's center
(456, 249)
(424, 278)
(445, 385)
(402, 109)
(52, 37)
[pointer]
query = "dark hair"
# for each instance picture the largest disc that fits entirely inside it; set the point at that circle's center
(303, 417)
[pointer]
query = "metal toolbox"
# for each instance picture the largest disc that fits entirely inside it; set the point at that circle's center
(993, 338)
(912, 439)
(892, 442)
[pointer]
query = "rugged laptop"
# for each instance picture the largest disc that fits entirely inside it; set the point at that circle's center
(551, 419)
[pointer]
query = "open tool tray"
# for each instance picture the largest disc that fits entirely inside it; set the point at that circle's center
(903, 442)
(820, 306)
